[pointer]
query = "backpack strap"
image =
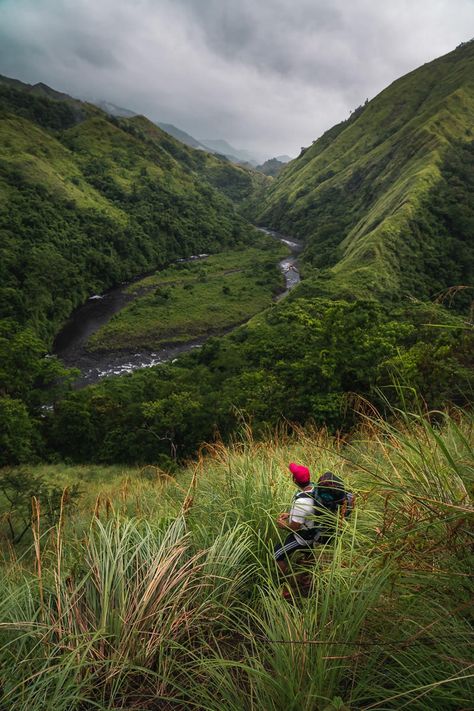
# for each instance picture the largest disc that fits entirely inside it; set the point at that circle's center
(348, 506)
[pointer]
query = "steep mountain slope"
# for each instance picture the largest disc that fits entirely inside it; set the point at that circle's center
(368, 196)
(88, 200)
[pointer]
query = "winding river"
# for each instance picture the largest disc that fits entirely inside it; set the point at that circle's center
(70, 343)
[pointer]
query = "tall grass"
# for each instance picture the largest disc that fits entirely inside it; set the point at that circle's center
(160, 611)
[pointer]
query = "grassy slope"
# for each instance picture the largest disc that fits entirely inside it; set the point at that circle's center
(40, 158)
(190, 300)
(162, 591)
(354, 192)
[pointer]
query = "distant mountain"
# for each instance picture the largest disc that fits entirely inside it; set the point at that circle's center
(221, 147)
(114, 110)
(224, 148)
(182, 136)
(283, 158)
(271, 167)
(179, 134)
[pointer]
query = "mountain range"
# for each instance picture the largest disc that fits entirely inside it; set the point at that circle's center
(211, 145)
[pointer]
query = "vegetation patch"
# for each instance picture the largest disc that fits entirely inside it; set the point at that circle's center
(195, 298)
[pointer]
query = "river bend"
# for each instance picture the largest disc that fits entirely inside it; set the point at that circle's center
(70, 343)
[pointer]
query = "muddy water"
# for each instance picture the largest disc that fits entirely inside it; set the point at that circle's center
(70, 344)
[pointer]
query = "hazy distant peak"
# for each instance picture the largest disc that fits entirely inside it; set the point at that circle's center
(114, 110)
(182, 136)
(219, 145)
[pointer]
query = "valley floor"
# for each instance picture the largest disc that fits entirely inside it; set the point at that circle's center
(194, 298)
(162, 315)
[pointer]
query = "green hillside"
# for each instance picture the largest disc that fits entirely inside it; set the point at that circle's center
(373, 197)
(87, 201)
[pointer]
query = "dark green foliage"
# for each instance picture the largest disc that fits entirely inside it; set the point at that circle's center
(19, 488)
(445, 232)
(55, 115)
(26, 371)
(299, 362)
(29, 380)
(18, 435)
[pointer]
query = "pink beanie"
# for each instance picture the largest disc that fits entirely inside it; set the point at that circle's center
(300, 473)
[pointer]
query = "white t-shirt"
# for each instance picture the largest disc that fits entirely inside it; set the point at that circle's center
(302, 511)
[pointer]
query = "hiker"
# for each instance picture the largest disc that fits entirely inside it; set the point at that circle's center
(311, 502)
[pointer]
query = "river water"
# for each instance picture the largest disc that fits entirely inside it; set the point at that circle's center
(70, 343)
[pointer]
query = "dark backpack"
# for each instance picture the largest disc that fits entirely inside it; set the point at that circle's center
(335, 501)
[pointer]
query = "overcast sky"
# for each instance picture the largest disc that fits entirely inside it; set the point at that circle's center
(267, 75)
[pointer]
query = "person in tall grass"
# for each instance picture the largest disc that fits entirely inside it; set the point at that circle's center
(311, 519)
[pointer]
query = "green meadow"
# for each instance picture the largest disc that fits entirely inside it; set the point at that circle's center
(193, 299)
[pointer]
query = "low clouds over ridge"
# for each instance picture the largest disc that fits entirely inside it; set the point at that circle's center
(269, 76)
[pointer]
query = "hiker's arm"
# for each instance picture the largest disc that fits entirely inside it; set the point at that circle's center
(301, 510)
(283, 521)
(293, 525)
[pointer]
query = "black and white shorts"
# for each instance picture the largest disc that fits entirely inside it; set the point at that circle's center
(291, 544)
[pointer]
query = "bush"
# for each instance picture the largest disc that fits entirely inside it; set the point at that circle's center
(19, 488)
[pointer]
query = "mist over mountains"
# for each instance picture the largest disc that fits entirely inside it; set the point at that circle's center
(219, 146)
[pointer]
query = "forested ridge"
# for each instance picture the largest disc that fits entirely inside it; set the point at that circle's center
(382, 201)
(89, 201)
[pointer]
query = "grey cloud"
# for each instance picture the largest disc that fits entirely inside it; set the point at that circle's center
(268, 75)
(91, 50)
(267, 35)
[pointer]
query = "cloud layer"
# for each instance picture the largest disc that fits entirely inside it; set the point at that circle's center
(267, 75)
